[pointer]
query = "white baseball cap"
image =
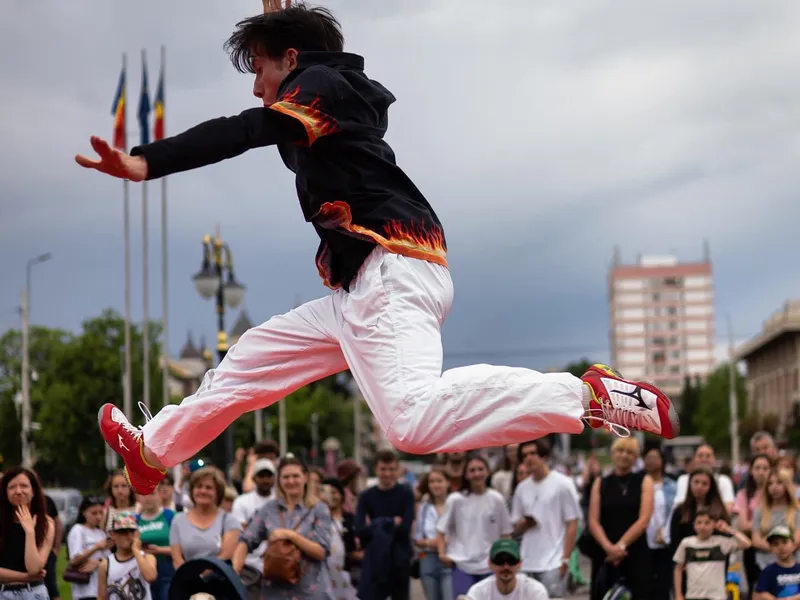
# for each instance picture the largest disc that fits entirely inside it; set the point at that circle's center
(263, 464)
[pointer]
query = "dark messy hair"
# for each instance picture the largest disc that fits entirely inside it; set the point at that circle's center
(273, 33)
(38, 506)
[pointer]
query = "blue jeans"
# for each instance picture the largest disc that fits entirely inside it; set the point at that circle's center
(159, 589)
(463, 581)
(436, 579)
(23, 592)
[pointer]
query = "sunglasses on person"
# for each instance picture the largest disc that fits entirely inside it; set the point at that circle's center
(505, 560)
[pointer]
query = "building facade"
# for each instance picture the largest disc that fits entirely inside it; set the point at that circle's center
(662, 320)
(773, 364)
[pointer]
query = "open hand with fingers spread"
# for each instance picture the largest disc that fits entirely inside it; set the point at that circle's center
(25, 519)
(113, 162)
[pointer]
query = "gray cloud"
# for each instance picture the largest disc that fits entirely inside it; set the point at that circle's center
(543, 133)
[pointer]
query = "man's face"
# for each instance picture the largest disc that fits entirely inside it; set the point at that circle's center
(505, 567)
(764, 446)
(264, 481)
(704, 457)
(531, 459)
(456, 457)
(386, 474)
(270, 73)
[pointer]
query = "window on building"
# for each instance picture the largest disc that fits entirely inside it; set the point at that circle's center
(658, 341)
(673, 325)
(672, 281)
(675, 369)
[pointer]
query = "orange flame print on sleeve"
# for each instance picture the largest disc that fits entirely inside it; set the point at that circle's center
(317, 124)
(398, 238)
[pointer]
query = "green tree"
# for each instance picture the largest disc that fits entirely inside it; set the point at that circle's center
(690, 400)
(712, 418)
(76, 374)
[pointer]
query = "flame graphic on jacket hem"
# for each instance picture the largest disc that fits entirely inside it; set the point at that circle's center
(398, 238)
(316, 123)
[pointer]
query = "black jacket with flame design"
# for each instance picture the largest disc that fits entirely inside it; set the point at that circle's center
(328, 123)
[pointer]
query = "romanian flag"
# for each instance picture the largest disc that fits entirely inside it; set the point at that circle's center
(118, 110)
(158, 125)
(144, 107)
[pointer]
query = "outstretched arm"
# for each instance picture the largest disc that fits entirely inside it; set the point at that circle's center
(204, 144)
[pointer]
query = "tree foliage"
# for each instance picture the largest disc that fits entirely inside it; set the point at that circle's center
(76, 373)
(713, 416)
(689, 403)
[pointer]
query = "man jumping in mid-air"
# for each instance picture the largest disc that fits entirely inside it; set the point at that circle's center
(382, 250)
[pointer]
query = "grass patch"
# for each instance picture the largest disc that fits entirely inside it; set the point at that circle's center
(64, 588)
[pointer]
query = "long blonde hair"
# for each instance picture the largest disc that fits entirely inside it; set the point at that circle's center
(768, 502)
(310, 499)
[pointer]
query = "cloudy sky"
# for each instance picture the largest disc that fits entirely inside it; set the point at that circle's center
(543, 133)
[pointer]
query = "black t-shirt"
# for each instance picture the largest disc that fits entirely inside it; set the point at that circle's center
(52, 511)
(328, 123)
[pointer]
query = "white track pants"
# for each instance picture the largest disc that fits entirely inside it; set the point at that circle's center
(387, 331)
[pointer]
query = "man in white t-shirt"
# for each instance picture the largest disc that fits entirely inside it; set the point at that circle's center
(704, 458)
(507, 583)
(245, 506)
(545, 510)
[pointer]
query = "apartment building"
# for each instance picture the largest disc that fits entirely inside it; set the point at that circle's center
(662, 319)
(773, 364)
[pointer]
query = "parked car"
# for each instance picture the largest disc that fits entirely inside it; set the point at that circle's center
(67, 501)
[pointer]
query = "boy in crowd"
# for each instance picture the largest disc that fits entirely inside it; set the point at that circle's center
(703, 557)
(781, 579)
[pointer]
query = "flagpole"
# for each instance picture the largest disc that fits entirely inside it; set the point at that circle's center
(127, 395)
(145, 284)
(164, 279)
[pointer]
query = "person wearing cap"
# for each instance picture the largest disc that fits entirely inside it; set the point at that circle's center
(506, 581)
(244, 507)
(780, 579)
(128, 572)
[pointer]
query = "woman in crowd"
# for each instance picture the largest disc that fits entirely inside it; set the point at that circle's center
(436, 577)
(776, 506)
(745, 506)
(294, 515)
(473, 519)
(228, 498)
(26, 536)
(315, 477)
(702, 492)
(87, 544)
(166, 491)
(787, 465)
(122, 499)
(126, 573)
(619, 511)
(343, 540)
(154, 523)
(205, 530)
(503, 477)
(664, 490)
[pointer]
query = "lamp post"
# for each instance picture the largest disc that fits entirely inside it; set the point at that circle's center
(216, 279)
(27, 458)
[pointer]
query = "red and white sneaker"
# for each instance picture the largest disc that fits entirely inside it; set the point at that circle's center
(126, 440)
(622, 406)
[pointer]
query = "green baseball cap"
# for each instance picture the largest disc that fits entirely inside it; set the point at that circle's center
(509, 547)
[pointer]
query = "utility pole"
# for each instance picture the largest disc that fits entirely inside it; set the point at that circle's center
(27, 461)
(732, 399)
(282, 437)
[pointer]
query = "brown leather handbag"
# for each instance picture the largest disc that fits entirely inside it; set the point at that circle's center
(283, 560)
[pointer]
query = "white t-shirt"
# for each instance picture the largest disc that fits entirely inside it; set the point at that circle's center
(79, 540)
(724, 484)
(472, 523)
(527, 588)
(552, 502)
(244, 507)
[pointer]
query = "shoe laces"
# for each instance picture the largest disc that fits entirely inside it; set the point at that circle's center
(617, 421)
(148, 416)
(135, 431)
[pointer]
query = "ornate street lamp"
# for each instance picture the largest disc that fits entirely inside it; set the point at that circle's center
(216, 278)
